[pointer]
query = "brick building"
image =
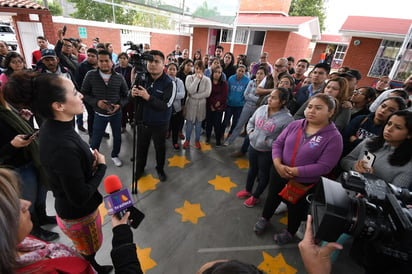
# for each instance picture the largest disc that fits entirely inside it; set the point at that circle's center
(337, 43)
(378, 46)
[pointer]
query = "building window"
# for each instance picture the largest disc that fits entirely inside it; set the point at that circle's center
(339, 54)
(385, 58)
(241, 36)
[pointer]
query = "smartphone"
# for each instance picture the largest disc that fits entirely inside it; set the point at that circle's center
(109, 104)
(135, 217)
(369, 158)
(31, 135)
(64, 30)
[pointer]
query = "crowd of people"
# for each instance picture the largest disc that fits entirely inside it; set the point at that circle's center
(297, 126)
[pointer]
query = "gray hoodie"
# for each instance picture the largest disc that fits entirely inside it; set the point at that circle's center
(263, 130)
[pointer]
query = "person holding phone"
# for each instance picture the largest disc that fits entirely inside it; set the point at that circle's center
(74, 171)
(19, 149)
(392, 149)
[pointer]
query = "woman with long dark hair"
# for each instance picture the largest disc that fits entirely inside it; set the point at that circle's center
(74, 171)
(13, 62)
(392, 149)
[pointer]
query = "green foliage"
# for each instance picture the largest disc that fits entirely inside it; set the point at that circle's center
(91, 10)
(205, 11)
(309, 8)
(54, 7)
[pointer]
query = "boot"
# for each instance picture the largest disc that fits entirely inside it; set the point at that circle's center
(101, 269)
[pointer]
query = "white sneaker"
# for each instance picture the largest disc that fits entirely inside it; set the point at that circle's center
(281, 208)
(226, 143)
(117, 162)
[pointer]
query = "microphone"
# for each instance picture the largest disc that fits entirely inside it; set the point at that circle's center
(118, 200)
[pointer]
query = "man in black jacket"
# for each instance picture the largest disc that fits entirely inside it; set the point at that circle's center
(153, 113)
(106, 91)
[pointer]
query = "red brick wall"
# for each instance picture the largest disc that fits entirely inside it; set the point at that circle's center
(226, 46)
(253, 5)
(319, 49)
(239, 49)
(361, 57)
(275, 44)
(200, 37)
(297, 46)
(166, 43)
(105, 35)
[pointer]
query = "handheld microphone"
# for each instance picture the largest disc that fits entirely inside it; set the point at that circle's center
(118, 200)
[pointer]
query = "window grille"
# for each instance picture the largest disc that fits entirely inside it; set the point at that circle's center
(241, 36)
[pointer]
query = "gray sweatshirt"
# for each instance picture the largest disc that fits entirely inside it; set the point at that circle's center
(263, 130)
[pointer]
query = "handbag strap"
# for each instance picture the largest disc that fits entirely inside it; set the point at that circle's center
(295, 148)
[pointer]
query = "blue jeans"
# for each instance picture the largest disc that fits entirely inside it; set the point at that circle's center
(245, 115)
(99, 125)
(32, 189)
(231, 111)
(260, 163)
(189, 127)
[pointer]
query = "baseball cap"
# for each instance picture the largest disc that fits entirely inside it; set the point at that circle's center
(353, 73)
(48, 53)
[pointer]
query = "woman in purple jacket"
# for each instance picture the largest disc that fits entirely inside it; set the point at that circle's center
(314, 144)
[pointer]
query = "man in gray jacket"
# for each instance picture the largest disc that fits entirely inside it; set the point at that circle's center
(107, 92)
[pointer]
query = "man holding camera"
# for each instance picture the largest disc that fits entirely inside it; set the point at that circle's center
(64, 50)
(153, 113)
(106, 91)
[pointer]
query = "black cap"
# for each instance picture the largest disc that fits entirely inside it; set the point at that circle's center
(353, 73)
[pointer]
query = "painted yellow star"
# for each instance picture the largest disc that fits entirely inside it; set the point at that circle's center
(284, 219)
(275, 264)
(147, 183)
(146, 262)
(179, 161)
(205, 147)
(242, 163)
(190, 212)
(103, 211)
(222, 183)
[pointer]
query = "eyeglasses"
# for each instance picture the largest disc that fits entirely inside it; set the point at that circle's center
(383, 81)
(280, 66)
(263, 57)
(67, 45)
(357, 92)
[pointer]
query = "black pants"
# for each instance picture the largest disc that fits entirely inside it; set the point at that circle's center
(175, 125)
(214, 121)
(144, 135)
(296, 212)
(90, 118)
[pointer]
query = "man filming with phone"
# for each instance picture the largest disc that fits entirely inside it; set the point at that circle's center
(106, 91)
(154, 108)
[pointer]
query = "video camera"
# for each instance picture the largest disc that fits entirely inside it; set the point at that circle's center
(138, 60)
(375, 214)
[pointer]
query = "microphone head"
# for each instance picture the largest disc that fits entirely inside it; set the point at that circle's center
(112, 184)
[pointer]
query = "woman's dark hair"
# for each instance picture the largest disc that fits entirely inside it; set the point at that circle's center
(221, 74)
(200, 55)
(35, 91)
(172, 64)
(7, 60)
(398, 100)
(284, 95)
(401, 93)
(232, 61)
(199, 64)
(232, 267)
(370, 93)
(327, 99)
(123, 54)
(291, 80)
(403, 153)
(264, 68)
(184, 63)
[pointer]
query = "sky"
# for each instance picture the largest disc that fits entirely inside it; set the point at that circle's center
(336, 10)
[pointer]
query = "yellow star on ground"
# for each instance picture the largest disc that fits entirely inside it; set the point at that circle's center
(190, 212)
(179, 161)
(242, 163)
(147, 183)
(222, 183)
(205, 147)
(103, 211)
(284, 219)
(144, 258)
(275, 264)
